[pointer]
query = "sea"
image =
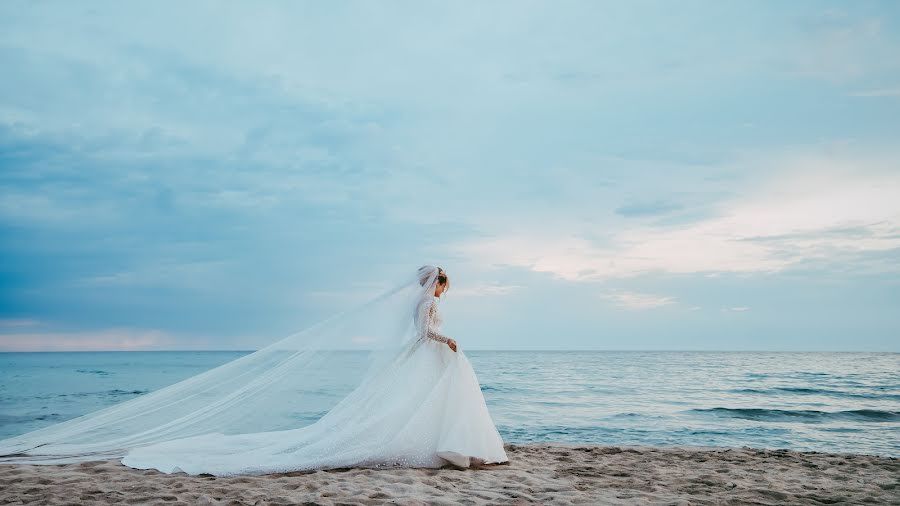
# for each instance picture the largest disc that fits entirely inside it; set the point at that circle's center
(811, 401)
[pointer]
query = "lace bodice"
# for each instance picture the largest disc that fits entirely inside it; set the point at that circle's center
(428, 320)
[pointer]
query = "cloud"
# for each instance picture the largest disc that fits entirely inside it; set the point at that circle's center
(635, 300)
(18, 322)
(485, 289)
(739, 309)
(196, 276)
(818, 207)
(882, 92)
(648, 208)
(238, 171)
(101, 340)
(842, 46)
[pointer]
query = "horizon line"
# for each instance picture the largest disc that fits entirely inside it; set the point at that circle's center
(471, 350)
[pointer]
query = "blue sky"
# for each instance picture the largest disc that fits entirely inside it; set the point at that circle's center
(597, 175)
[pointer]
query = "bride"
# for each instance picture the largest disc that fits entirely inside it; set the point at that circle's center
(418, 403)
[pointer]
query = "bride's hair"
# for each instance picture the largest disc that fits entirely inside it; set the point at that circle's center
(442, 277)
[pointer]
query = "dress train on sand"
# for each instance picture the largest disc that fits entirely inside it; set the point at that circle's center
(424, 409)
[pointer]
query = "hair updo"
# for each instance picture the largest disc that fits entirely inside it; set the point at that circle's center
(442, 277)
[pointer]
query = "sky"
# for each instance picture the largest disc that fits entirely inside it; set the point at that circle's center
(592, 175)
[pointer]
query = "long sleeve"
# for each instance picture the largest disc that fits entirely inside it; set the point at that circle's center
(428, 322)
(432, 329)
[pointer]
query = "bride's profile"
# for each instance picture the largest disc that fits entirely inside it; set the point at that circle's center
(413, 400)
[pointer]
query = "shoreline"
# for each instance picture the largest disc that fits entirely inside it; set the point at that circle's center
(556, 473)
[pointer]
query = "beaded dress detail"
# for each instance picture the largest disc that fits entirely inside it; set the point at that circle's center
(428, 313)
(425, 409)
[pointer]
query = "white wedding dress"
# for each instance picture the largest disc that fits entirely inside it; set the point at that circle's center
(423, 409)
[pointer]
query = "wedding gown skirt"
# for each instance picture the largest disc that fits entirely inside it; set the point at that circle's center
(425, 410)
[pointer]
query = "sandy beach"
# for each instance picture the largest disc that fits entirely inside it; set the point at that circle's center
(538, 473)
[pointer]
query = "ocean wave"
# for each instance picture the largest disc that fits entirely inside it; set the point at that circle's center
(815, 391)
(106, 393)
(97, 372)
(803, 415)
(501, 388)
(45, 417)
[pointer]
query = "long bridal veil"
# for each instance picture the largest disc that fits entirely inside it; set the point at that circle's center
(288, 384)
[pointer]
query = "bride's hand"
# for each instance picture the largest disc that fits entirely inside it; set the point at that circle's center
(452, 344)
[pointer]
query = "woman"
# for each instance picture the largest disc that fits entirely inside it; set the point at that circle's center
(414, 401)
(418, 403)
(424, 409)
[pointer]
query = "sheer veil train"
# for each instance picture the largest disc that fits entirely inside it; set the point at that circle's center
(375, 385)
